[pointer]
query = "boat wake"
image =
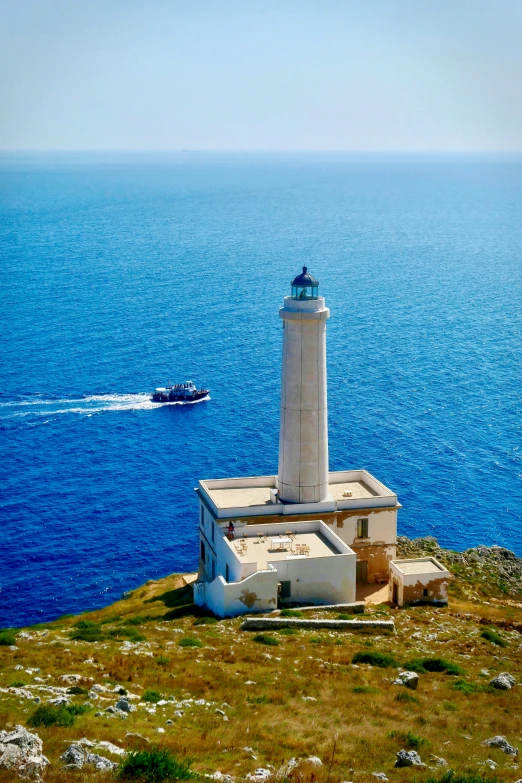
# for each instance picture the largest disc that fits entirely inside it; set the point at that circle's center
(95, 403)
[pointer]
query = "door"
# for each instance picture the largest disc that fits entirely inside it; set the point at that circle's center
(361, 572)
(284, 591)
(395, 595)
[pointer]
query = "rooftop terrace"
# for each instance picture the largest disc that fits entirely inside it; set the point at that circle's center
(264, 549)
(255, 495)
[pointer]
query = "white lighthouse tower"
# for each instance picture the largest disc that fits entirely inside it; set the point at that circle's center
(304, 536)
(303, 438)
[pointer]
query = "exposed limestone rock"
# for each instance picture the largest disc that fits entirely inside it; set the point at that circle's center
(380, 776)
(502, 743)
(439, 761)
(76, 756)
(408, 758)
(504, 681)
(125, 706)
(21, 752)
(259, 775)
(409, 679)
(502, 561)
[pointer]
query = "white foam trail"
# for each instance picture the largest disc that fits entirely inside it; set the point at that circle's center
(95, 403)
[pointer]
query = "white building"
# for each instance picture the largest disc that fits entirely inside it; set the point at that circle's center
(306, 535)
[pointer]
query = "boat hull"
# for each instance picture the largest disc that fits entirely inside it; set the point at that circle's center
(175, 396)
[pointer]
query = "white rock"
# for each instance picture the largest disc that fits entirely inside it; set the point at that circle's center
(315, 760)
(100, 762)
(502, 743)
(408, 758)
(21, 751)
(222, 778)
(380, 776)
(503, 681)
(259, 774)
(408, 679)
(74, 756)
(108, 746)
(160, 729)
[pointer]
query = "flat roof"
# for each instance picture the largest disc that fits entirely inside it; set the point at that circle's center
(266, 549)
(420, 565)
(358, 489)
(251, 495)
(240, 497)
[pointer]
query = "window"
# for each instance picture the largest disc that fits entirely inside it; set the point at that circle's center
(425, 592)
(362, 528)
(227, 573)
(202, 550)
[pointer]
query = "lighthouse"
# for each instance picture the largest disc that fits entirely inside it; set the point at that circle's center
(305, 536)
(303, 436)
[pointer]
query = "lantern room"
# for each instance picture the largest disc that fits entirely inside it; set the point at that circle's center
(305, 286)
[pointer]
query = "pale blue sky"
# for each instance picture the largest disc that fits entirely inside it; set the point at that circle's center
(262, 75)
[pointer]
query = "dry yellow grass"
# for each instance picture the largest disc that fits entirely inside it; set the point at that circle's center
(303, 700)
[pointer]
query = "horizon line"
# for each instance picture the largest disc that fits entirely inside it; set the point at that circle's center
(185, 150)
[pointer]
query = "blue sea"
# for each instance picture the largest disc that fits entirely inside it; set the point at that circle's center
(122, 272)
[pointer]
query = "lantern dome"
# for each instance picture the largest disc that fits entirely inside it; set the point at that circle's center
(305, 286)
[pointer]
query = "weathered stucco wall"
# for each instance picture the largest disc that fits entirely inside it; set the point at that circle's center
(319, 580)
(256, 593)
(378, 549)
(407, 589)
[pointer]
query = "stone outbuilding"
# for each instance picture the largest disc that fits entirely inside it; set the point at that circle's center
(421, 580)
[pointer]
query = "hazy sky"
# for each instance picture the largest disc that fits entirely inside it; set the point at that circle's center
(261, 74)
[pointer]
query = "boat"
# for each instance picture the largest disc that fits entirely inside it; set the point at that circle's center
(179, 392)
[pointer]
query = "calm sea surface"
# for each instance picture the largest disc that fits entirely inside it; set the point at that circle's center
(120, 273)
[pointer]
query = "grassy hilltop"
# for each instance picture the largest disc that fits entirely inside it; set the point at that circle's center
(223, 700)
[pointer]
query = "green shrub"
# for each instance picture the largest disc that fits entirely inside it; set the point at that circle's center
(77, 709)
(465, 687)
(425, 665)
(152, 696)
(408, 738)
(406, 697)
(189, 641)
(289, 631)
(7, 637)
(264, 638)
(364, 689)
(154, 765)
(162, 660)
(493, 636)
(17, 684)
(86, 631)
(383, 660)
(449, 707)
(315, 640)
(47, 715)
(205, 621)
(259, 700)
(122, 691)
(75, 690)
(291, 613)
(344, 616)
